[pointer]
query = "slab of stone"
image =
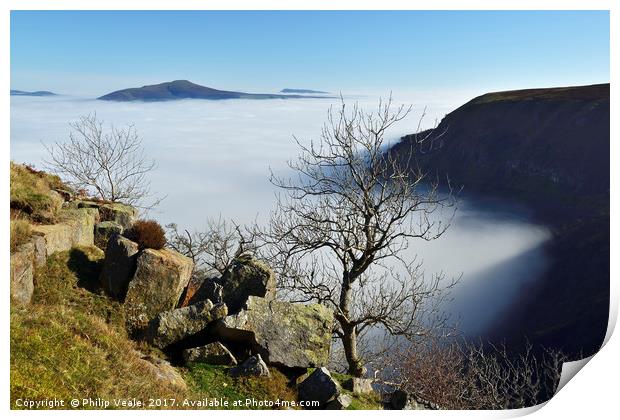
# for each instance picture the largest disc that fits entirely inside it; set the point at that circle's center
(157, 284)
(212, 353)
(285, 334)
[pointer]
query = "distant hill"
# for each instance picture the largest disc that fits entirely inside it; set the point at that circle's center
(289, 90)
(36, 93)
(184, 89)
(549, 149)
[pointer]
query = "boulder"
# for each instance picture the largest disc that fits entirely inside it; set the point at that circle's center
(103, 232)
(358, 385)
(76, 229)
(120, 213)
(40, 254)
(119, 266)
(163, 371)
(22, 271)
(252, 366)
(172, 326)
(340, 403)
(246, 277)
(156, 286)
(319, 386)
(212, 353)
(285, 334)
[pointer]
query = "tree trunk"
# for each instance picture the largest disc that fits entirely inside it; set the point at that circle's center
(349, 342)
(349, 333)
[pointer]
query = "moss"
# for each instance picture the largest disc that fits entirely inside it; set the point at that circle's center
(214, 382)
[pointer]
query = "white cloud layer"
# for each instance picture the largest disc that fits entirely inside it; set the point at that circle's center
(214, 159)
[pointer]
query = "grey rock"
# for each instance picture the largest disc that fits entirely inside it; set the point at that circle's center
(252, 366)
(285, 334)
(247, 276)
(162, 371)
(40, 255)
(77, 229)
(157, 285)
(358, 385)
(340, 403)
(212, 353)
(319, 386)
(119, 266)
(172, 326)
(120, 213)
(103, 232)
(22, 271)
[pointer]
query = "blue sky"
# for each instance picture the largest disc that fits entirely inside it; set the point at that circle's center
(93, 52)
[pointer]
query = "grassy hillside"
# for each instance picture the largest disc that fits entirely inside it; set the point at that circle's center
(71, 342)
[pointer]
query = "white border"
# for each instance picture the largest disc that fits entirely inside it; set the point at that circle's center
(592, 394)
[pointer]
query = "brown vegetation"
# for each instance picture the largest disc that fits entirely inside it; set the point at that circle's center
(147, 234)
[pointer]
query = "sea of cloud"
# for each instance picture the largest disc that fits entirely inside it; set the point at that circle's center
(214, 159)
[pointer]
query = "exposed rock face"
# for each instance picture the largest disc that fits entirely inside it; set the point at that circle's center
(120, 213)
(40, 254)
(163, 371)
(103, 232)
(76, 230)
(319, 386)
(358, 385)
(212, 353)
(159, 280)
(340, 403)
(119, 265)
(172, 326)
(22, 270)
(285, 334)
(248, 276)
(252, 366)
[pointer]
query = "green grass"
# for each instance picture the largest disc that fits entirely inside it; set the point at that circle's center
(31, 195)
(214, 382)
(71, 342)
(20, 233)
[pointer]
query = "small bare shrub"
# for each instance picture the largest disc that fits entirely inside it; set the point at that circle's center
(465, 376)
(147, 234)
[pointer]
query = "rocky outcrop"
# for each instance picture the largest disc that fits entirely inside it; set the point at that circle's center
(285, 334)
(358, 385)
(120, 213)
(22, 271)
(77, 229)
(252, 366)
(157, 285)
(103, 232)
(119, 266)
(247, 276)
(172, 326)
(319, 386)
(212, 353)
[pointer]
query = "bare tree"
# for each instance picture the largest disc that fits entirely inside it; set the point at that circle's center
(109, 165)
(213, 249)
(343, 222)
